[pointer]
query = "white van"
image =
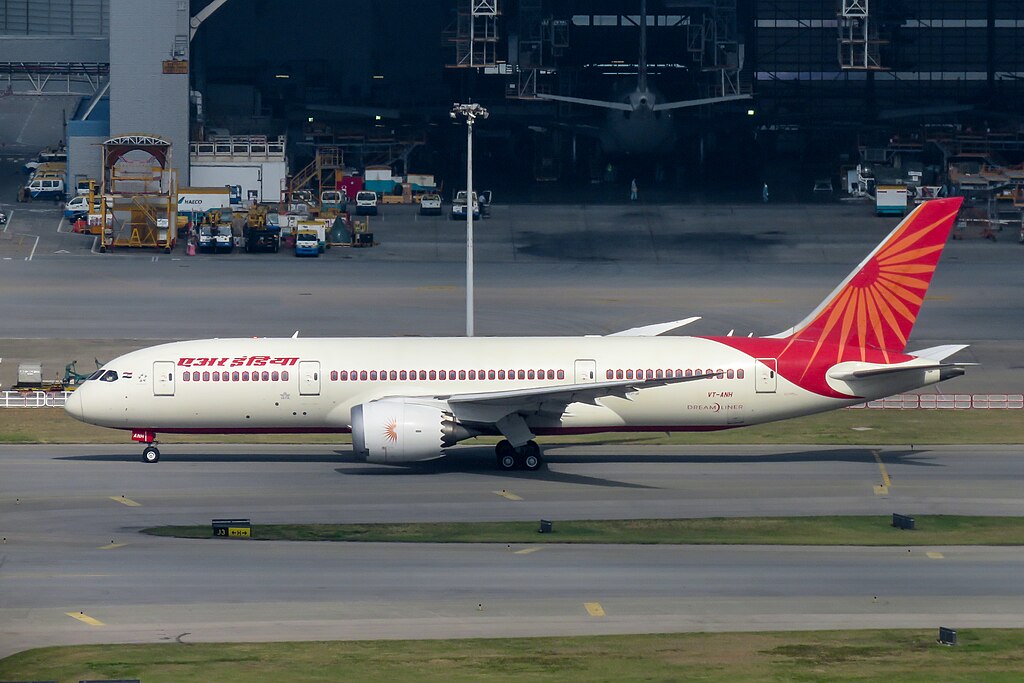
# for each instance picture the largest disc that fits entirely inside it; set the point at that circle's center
(45, 188)
(366, 203)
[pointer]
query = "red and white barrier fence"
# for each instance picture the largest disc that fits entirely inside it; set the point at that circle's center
(947, 402)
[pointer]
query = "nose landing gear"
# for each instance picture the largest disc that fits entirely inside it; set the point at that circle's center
(526, 457)
(151, 453)
(147, 436)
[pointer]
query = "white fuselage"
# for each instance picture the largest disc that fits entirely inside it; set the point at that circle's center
(305, 385)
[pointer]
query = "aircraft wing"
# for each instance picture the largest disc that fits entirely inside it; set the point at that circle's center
(621, 106)
(586, 392)
(654, 330)
(698, 103)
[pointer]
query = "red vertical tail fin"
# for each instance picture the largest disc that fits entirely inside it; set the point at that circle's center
(876, 306)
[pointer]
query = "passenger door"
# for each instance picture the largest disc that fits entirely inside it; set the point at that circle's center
(309, 378)
(163, 378)
(586, 371)
(765, 375)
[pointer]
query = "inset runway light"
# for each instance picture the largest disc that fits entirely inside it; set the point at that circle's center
(281, 76)
(376, 117)
(750, 112)
(309, 119)
(378, 77)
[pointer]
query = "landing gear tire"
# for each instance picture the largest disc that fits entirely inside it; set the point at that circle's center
(151, 454)
(506, 456)
(530, 458)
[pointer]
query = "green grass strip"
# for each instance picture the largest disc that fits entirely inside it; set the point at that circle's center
(869, 655)
(828, 530)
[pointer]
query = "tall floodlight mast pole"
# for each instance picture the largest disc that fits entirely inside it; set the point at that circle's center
(471, 112)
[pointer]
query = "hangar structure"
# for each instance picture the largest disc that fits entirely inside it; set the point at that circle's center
(377, 79)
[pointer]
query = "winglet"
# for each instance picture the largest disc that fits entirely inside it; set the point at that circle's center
(654, 330)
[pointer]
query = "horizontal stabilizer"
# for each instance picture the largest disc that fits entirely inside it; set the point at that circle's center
(654, 330)
(853, 375)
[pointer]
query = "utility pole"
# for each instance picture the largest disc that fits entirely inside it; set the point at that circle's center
(471, 112)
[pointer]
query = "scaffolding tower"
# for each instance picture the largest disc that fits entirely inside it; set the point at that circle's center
(858, 37)
(476, 34)
(715, 46)
(139, 194)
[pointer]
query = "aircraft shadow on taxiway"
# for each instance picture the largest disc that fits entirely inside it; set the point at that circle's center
(481, 460)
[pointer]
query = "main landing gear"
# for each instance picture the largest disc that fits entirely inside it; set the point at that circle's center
(526, 457)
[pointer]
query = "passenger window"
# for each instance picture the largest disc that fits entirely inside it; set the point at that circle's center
(560, 374)
(501, 374)
(334, 375)
(529, 374)
(185, 376)
(284, 375)
(266, 376)
(373, 375)
(618, 374)
(490, 374)
(472, 374)
(433, 374)
(481, 374)
(206, 376)
(688, 373)
(342, 376)
(610, 374)
(403, 375)
(362, 375)
(551, 374)
(423, 374)
(729, 374)
(275, 376)
(245, 376)
(650, 374)
(393, 375)
(739, 374)
(522, 374)
(234, 376)
(659, 374)
(720, 374)
(629, 374)
(462, 374)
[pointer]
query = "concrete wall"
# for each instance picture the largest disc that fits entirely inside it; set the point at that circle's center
(143, 99)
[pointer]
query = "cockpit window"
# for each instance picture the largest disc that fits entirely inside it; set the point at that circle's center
(95, 375)
(109, 376)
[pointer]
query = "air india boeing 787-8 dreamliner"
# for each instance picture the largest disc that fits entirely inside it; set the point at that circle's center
(407, 399)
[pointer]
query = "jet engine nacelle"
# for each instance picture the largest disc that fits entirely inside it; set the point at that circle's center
(400, 430)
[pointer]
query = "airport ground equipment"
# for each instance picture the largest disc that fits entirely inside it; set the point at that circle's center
(260, 233)
(890, 200)
(139, 194)
(306, 242)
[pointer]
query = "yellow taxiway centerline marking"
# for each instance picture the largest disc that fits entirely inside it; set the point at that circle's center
(886, 481)
(935, 556)
(594, 609)
(85, 618)
(125, 501)
(527, 551)
(507, 494)
(111, 546)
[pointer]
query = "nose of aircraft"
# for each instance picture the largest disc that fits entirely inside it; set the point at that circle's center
(73, 405)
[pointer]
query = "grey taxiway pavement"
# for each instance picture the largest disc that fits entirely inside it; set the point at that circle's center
(74, 569)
